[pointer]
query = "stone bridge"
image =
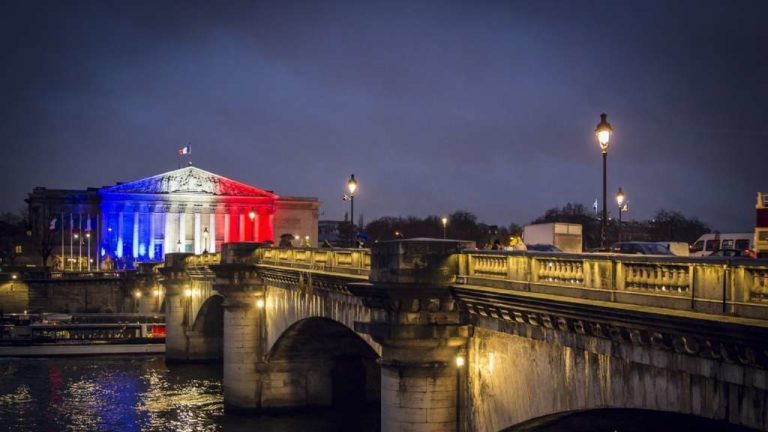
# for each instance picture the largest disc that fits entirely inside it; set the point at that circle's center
(448, 338)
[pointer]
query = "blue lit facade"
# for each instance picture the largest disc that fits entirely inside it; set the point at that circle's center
(186, 210)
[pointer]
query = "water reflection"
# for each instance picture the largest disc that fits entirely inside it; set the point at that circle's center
(139, 394)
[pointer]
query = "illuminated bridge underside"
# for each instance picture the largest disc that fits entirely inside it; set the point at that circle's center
(542, 333)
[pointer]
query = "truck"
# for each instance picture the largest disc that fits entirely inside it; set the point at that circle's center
(761, 225)
(565, 236)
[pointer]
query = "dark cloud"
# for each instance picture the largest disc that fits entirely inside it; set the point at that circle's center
(435, 106)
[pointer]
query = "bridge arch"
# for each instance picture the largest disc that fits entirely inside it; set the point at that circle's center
(321, 362)
(625, 420)
(206, 334)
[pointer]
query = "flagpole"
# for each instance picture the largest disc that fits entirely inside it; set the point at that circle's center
(63, 248)
(71, 251)
(80, 242)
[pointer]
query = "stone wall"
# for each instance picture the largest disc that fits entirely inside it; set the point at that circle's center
(80, 296)
(517, 372)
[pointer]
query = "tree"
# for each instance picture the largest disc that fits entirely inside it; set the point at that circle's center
(43, 237)
(13, 237)
(673, 226)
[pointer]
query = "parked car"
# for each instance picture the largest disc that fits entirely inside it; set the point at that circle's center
(640, 248)
(541, 247)
(730, 253)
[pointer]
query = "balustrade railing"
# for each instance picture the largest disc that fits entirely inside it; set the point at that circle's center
(346, 261)
(737, 287)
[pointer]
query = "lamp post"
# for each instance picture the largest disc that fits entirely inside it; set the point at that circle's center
(79, 252)
(352, 187)
(444, 220)
(88, 236)
(620, 197)
(603, 132)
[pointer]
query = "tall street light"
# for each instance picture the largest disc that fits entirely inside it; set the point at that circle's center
(603, 132)
(88, 236)
(445, 226)
(352, 187)
(620, 198)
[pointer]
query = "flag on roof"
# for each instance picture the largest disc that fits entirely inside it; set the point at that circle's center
(185, 150)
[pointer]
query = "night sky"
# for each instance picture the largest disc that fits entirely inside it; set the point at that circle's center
(434, 106)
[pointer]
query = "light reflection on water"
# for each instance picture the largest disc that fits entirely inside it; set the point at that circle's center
(138, 393)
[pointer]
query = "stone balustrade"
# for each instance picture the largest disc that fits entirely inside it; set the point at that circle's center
(736, 287)
(343, 261)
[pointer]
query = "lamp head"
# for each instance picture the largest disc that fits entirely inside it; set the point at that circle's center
(352, 184)
(620, 197)
(603, 132)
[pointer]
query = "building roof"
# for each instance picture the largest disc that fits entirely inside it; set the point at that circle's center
(188, 180)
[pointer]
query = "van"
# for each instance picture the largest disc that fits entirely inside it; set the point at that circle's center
(709, 243)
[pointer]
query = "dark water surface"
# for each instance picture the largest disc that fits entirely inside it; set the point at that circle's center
(140, 393)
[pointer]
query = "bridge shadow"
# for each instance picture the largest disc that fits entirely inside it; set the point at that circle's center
(208, 330)
(623, 420)
(326, 364)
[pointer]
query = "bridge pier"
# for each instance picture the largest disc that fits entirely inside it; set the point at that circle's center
(421, 334)
(175, 281)
(244, 334)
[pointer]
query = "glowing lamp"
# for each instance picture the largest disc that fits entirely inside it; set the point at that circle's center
(137, 294)
(352, 184)
(187, 292)
(252, 214)
(603, 132)
(620, 198)
(460, 361)
(260, 303)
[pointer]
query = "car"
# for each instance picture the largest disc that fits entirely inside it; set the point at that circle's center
(640, 248)
(542, 247)
(730, 253)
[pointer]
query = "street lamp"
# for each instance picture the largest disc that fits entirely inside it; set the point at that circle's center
(445, 226)
(603, 132)
(352, 188)
(88, 236)
(620, 198)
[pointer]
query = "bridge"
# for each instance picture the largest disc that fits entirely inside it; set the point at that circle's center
(449, 338)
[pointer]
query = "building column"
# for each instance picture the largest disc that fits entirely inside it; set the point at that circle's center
(119, 251)
(212, 232)
(241, 225)
(197, 235)
(182, 232)
(151, 242)
(244, 334)
(135, 245)
(226, 227)
(255, 228)
(168, 233)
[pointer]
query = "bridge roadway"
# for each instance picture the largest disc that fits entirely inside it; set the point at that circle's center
(540, 334)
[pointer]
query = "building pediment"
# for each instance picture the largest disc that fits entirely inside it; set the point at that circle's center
(188, 180)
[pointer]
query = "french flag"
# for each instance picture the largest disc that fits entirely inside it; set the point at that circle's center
(185, 150)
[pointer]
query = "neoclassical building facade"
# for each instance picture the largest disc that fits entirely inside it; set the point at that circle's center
(185, 210)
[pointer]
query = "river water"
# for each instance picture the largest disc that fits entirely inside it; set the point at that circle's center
(140, 393)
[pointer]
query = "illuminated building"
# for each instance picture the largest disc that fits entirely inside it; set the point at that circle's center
(185, 210)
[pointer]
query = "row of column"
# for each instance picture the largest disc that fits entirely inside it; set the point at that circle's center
(236, 226)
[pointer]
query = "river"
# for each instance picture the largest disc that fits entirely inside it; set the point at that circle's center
(140, 393)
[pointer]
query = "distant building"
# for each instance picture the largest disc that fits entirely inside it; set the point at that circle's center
(185, 210)
(328, 230)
